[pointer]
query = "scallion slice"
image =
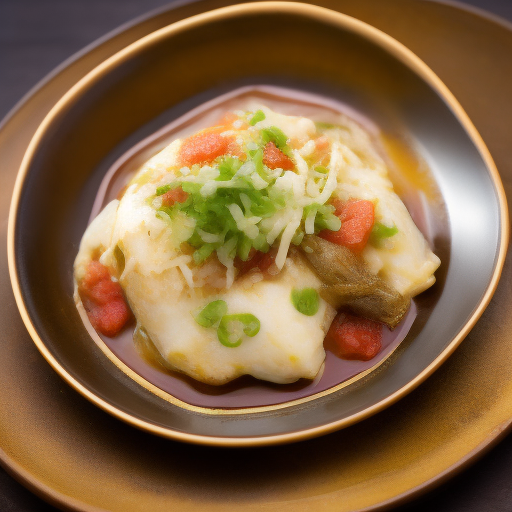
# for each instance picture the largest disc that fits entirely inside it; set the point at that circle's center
(275, 135)
(258, 116)
(381, 231)
(306, 301)
(233, 327)
(211, 313)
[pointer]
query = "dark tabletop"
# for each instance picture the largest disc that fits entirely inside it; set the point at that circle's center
(35, 37)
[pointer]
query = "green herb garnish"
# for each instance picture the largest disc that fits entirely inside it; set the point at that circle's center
(258, 116)
(306, 301)
(160, 191)
(211, 313)
(275, 135)
(381, 231)
(233, 327)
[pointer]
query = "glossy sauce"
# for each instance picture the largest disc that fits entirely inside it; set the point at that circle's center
(139, 354)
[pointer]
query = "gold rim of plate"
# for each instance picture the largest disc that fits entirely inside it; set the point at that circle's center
(326, 16)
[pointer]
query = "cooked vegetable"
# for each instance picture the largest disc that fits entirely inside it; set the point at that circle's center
(357, 218)
(381, 231)
(212, 313)
(175, 195)
(306, 301)
(258, 116)
(239, 204)
(351, 337)
(204, 148)
(347, 282)
(104, 300)
(233, 327)
(274, 158)
(276, 136)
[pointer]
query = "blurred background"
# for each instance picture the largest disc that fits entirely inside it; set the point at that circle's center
(38, 35)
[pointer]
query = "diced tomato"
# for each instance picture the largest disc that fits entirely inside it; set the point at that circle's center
(110, 318)
(204, 148)
(322, 143)
(234, 149)
(267, 261)
(95, 273)
(357, 218)
(103, 292)
(274, 158)
(228, 119)
(257, 259)
(175, 195)
(352, 337)
(103, 300)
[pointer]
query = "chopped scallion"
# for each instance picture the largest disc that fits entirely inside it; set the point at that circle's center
(163, 189)
(306, 301)
(203, 253)
(232, 328)
(381, 231)
(211, 313)
(258, 116)
(275, 135)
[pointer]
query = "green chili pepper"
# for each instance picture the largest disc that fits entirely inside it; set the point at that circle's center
(306, 301)
(232, 327)
(211, 313)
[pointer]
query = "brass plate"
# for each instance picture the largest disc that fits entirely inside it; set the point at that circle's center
(450, 418)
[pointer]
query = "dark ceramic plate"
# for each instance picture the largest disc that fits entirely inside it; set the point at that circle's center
(169, 72)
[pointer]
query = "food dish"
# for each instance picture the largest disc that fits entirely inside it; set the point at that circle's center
(413, 439)
(240, 224)
(447, 138)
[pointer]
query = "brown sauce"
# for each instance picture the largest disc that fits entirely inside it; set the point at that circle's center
(417, 194)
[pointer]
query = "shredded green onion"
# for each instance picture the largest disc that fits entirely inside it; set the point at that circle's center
(162, 190)
(235, 203)
(258, 116)
(275, 135)
(306, 301)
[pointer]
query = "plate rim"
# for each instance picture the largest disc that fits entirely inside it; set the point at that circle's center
(323, 15)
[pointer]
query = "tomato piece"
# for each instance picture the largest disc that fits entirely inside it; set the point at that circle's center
(104, 291)
(110, 318)
(357, 219)
(175, 195)
(204, 147)
(267, 261)
(95, 273)
(234, 149)
(228, 119)
(257, 259)
(103, 300)
(274, 158)
(322, 143)
(352, 337)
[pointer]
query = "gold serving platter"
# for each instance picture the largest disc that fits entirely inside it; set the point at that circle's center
(453, 416)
